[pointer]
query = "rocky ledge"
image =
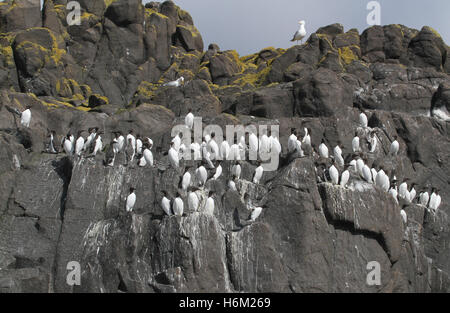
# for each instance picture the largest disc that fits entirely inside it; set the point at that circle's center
(312, 236)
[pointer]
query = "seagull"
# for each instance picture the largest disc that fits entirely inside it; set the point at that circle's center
(359, 167)
(256, 212)
(344, 178)
(178, 206)
(186, 181)
(165, 204)
(334, 174)
(173, 156)
(292, 140)
(307, 138)
(298, 148)
(393, 150)
(235, 152)
(79, 144)
(120, 142)
(209, 205)
(130, 137)
(224, 150)
(374, 175)
(424, 197)
(373, 142)
(355, 143)
(195, 147)
(404, 216)
(68, 146)
(367, 174)
(175, 83)
(338, 156)
(98, 144)
(353, 166)
(25, 116)
(139, 144)
(435, 200)
(412, 193)
(393, 192)
(232, 184)
(201, 175)
(236, 170)
(264, 144)
(274, 144)
(258, 174)
(213, 147)
(300, 34)
(218, 172)
(403, 191)
(253, 142)
(177, 141)
(52, 140)
(189, 119)
(382, 180)
(323, 150)
(193, 201)
(363, 120)
(131, 200)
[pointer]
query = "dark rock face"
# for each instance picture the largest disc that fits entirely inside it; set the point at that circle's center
(311, 236)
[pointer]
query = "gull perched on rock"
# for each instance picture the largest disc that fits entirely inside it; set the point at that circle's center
(175, 83)
(301, 33)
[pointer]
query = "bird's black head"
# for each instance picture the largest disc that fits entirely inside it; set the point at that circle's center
(132, 189)
(211, 193)
(293, 130)
(213, 135)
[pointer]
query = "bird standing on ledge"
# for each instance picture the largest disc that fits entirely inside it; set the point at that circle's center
(301, 33)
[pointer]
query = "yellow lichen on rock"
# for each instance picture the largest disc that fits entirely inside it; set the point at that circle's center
(347, 55)
(146, 89)
(7, 53)
(191, 28)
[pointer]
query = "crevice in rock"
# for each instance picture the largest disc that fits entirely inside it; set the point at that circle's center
(228, 260)
(350, 227)
(63, 168)
(122, 287)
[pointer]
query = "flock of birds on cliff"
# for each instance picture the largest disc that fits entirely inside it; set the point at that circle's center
(338, 173)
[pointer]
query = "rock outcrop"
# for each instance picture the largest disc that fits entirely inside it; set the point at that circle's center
(312, 236)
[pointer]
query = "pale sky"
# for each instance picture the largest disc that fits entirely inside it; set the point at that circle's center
(251, 25)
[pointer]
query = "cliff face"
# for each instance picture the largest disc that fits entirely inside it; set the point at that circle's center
(312, 237)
